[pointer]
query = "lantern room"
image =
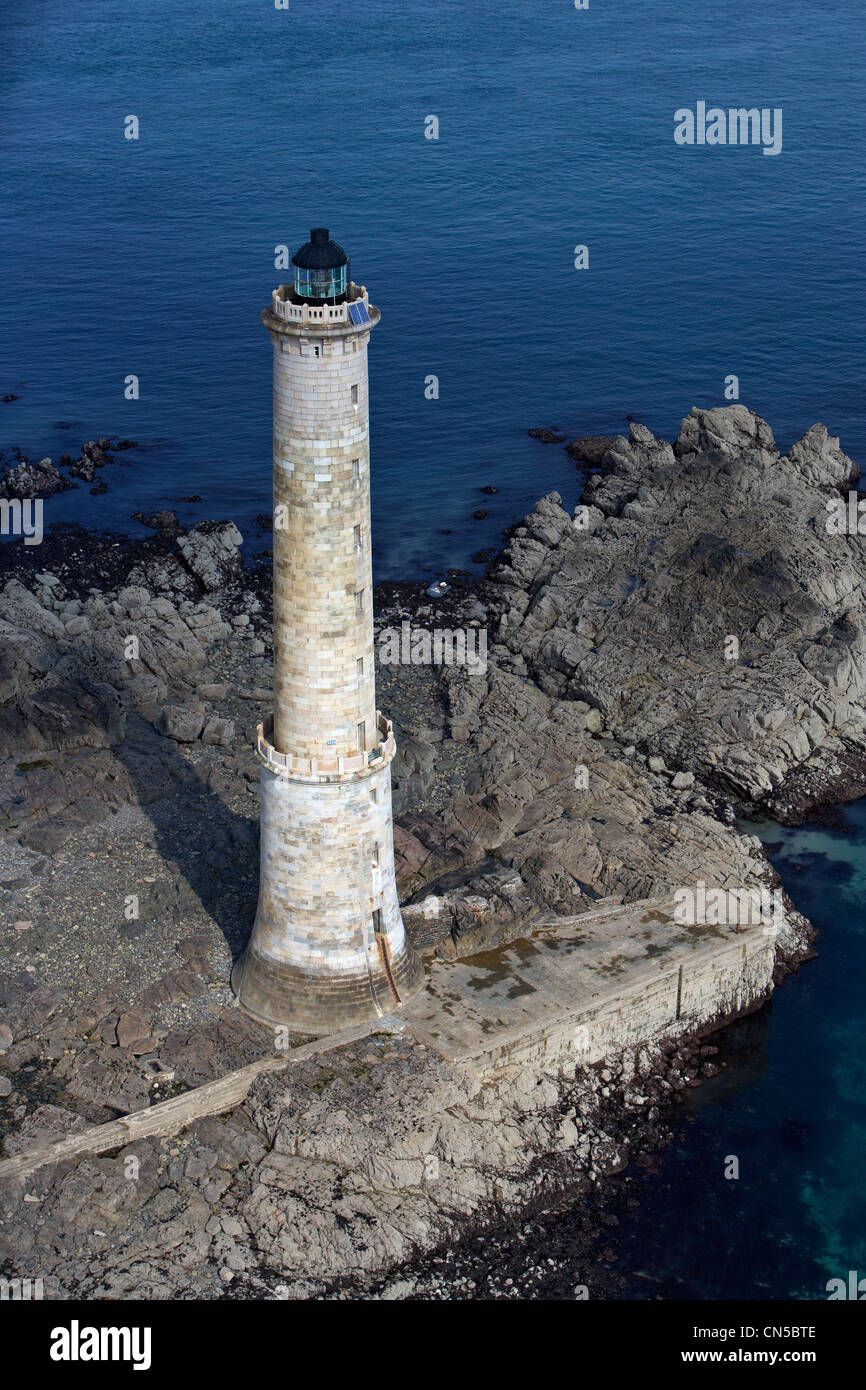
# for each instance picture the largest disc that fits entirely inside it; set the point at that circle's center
(321, 269)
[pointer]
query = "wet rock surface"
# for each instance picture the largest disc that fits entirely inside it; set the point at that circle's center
(33, 479)
(29, 478)
(591, 449)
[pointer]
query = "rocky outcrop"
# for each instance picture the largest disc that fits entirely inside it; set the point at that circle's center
(576, 816)
(698, 600)
(30, 479)
(92, 456)
(731, 430)
(547, 436)
(333, 1171)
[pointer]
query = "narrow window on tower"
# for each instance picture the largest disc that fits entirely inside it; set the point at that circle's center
(377, 920)
(354, 395)
(362, 735)
(374, 796)
(359, 666)
(315, 352)
(357, 537)
(356, 470)
(376, 856)
(359, 601)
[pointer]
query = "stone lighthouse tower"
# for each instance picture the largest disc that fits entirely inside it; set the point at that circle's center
(328, 948)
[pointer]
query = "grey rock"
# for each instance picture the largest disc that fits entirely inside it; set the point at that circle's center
(730, 429)
(213, 691)
(729, 540)
(219, 731)
(183, 723)
(134, 596)
(131, 1027)
(211, 553)
(21, 610)
(83, 714)
(682, 780)
(29, 479)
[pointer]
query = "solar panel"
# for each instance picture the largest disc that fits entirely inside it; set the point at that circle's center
(358, 313)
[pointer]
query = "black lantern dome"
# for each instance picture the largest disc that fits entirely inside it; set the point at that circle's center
(321, 269)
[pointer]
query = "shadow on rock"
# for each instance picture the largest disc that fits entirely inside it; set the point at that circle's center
(210, 851)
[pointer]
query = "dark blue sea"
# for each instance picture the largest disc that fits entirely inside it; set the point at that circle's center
(154, 257)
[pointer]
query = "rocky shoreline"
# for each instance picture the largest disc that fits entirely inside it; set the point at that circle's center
(604, 755)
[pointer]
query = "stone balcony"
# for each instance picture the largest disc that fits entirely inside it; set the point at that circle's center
(317, 315)
(325, 769)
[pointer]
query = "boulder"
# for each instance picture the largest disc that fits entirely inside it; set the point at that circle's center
(591, 449)
(131, 1027)
(220, 732)
(183, 723)
(681, 780)
(730, 429)
(211, 553)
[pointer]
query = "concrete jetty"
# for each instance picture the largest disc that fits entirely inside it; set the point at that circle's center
(568, 993)
(586, 986)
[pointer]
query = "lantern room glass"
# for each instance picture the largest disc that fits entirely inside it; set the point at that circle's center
(320, 284)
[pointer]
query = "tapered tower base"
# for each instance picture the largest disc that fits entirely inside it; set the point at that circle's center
(279, 994)
(328, 949)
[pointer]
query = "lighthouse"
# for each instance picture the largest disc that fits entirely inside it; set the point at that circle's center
(328, 949)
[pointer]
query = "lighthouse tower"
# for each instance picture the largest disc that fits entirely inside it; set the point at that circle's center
(328, 948)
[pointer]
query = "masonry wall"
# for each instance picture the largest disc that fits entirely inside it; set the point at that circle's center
(327, 866)
(705, 986)
(324, 678)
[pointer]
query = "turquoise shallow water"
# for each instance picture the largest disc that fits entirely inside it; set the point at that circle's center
(791, 1106)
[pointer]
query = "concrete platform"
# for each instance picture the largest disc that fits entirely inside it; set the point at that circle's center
(588, 985)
